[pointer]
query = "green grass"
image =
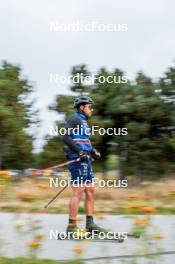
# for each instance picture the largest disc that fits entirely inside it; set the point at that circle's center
(163, 210)
(35, 261)
(81, 210)
(10, 208)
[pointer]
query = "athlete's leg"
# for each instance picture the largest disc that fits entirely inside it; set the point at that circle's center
(79, 172)
(89, 203)
(89, 199)
(75, 201)
(89, 191)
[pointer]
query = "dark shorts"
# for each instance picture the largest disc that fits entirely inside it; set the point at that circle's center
(81, 172)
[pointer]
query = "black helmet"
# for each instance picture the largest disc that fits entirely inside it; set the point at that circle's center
(83, 99)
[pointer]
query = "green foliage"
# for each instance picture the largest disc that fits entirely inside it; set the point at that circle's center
(144, 107)
(16, 116)
(52, 153)
(35, 261)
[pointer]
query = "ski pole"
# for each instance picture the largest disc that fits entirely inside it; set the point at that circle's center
(58, 166)
(53, 199)
(63, 164)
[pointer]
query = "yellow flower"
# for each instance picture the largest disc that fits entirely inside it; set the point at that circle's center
(78, 250)
(148, 209)
(158, 236)
(34, 244)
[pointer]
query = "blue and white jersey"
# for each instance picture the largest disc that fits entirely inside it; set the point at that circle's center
(78, 136)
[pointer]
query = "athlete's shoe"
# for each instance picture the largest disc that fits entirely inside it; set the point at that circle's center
(73, 231)
(95, 228)
(71, 228)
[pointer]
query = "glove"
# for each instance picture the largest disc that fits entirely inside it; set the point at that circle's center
(83, 155)
(96, 154)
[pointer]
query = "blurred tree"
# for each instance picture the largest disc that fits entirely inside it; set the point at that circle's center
(143, 107)
(16, 116)
(79, 73)
(52, 153)
(142, 111)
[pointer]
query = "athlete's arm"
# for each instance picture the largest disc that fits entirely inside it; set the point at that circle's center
(71, 123)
